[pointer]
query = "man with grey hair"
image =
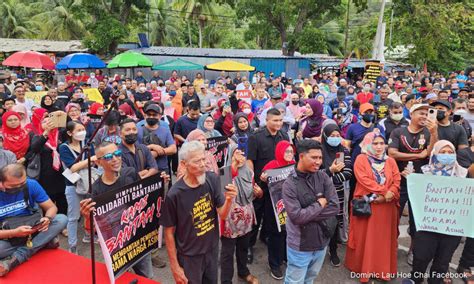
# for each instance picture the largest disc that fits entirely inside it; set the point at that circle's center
(190, 218)
(24, 230)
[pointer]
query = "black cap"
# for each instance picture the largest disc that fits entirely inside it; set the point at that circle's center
(441, 102)
(410, 97)
(153, 107)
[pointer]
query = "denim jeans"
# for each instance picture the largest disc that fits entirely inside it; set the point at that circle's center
(73, 214)
(303, 266)
(144, 267)
(23, 253)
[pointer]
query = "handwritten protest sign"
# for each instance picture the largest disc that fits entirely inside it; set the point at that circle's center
(245, 95)
(276, 178)
(35, 96)
(442, 204)
(218, 147)
(126, 220)
(373, 68)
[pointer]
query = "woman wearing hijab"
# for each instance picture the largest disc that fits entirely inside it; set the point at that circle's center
(24, 118)
(15, 137)
(340, 172)
(126, 110)
(312, 123)
(246, 108)
(242, 131)
(48, 104)
(430, 246)
(372, 245)
(224, 118)
(206, 124)
(236, 228)
(45, 143)
(344, 117)
(211, 164)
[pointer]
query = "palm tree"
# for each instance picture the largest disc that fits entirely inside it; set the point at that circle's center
(58, 20)
(200, 11)
(165, 27)
(14, 17)
(334, 38)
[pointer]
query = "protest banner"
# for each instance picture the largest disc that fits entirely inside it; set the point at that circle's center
(276, 178)
(35, 96)
(126, 220)
(245, 95)
(93, 95)
(218, 147)
(373, 69)
(442, 204)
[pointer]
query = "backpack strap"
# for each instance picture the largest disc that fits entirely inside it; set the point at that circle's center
(26, 198)
(141, 157)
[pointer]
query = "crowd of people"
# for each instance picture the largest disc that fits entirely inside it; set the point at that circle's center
(348, 139)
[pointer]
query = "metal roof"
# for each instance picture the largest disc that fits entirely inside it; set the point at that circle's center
(215, 52)
(17, 44)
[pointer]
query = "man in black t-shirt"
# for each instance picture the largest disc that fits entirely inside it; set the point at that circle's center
(412, 143)
(190, 218)
(448, 130)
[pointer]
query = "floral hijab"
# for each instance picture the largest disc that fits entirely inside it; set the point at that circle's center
(377, 162)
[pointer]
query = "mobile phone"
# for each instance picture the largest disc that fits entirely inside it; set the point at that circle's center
(432, 113)
(457, 117)
(58, 118)
(340, 157)
(37, 225)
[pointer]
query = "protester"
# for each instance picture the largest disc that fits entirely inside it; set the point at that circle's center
(236, 228)
(448, 130)
(206, 124)
(431, 246)
(68, 152)
(224, 118)
(378, 178)
(242, 132)
(193, 248)
(311, 204)
(312, 122)
(394, 120)
(18, 244)
(339, 172)
(15, 137)
(25, 117)
(188, 122)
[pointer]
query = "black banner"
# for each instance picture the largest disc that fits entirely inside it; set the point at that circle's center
(373, 69)
(126, 220)
(218, 147)
(276, 178)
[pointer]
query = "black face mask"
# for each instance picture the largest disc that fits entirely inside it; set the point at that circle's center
(295, 102)
(368, 118)
(152, 121)
(161, 84)
(131, 138)
(441, 115)
(15, 190)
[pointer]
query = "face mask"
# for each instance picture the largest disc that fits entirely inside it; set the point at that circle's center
(161, 84)
(152, 121)
(92, 76)
(334, 141)
(288, 91)
(455, 92)
(441, 115)
(131, 138)
(344, 109)
(366, 89)
(172, 93)
(368, 118)
(295, 102)
(246, 111)
(142, 89)
(167, 104)
(38, 88)
(446, 159)
(397, 117)
(80, 136)
(15, 190)
(461, 112)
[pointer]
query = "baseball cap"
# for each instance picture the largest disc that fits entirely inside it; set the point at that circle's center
(431, 96)
(153, 107)
(276, 96)
(365, 107)
(416, 107)
(423, 89)
(442, 103)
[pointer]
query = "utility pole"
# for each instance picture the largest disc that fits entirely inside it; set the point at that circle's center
(391, 27)
(346, 35)
(378, 47)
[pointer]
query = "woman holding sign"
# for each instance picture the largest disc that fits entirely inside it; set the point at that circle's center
(431, 246)
(372, 245)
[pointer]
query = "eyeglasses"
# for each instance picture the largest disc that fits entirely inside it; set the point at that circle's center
(209, 121)
(110, 156)
(290, 151)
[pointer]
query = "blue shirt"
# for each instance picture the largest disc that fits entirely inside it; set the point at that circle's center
(184, 126)
(134, 160)
(164, 134)
(257, 106)
(14, 204)
(461, 77)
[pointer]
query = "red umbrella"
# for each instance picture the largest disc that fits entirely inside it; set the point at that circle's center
(29, 59)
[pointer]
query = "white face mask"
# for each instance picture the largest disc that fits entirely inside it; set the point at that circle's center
(397, 117)
(80, 136)
(142, 89)
(461, 112)
(246, 111)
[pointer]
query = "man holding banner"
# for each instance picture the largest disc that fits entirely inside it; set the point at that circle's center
(109, 157)
(190, 217)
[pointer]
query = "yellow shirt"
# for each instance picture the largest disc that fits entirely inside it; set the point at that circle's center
(307, 90)
(197, 84)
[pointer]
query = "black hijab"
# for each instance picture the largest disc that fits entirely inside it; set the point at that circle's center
(53, 107)
(329, 152)
(238, 131)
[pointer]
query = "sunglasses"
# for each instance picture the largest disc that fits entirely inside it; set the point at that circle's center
(110, 156)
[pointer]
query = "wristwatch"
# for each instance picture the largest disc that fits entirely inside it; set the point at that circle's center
(50, 218)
